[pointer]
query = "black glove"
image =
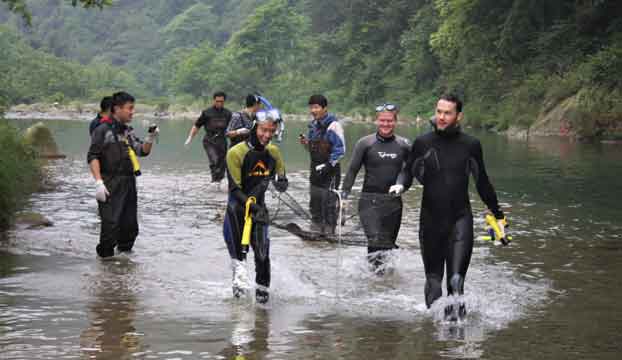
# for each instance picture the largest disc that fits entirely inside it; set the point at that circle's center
(281, 183)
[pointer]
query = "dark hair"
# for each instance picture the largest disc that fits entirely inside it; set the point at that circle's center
(220, 94)
(251, 100)
(121, 98)
(454, 99)
(318, 100)
(105, 104)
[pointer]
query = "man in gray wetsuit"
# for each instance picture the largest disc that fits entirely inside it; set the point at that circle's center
(383, 154)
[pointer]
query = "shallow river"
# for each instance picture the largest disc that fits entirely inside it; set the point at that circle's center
(554, 293)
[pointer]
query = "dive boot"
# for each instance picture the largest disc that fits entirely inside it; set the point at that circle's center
(261, 296)
(451, 313)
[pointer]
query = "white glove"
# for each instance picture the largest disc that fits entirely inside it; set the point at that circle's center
(101, 193)
(320, 167)
(501, 225)
(396, 189)
(150, 138)
(188, 140)
(242, 131)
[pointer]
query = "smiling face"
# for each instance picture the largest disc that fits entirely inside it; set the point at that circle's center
(265, 131)
(385, 123)
(317, 111)
(446, 114)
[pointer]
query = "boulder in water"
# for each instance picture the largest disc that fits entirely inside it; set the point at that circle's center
(41, 139)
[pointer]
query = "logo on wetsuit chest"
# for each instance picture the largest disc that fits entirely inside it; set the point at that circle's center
(260, 169)
(383, 155)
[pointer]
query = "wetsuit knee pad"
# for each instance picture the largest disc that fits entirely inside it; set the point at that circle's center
(456, 284)
(433, 290)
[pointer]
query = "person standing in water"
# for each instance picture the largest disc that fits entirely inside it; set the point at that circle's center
(112, 158)
(383, 155)
(326, 145)
(242, 121)
(103, 115)
(215, 120)
(442, 161)
(251, 165)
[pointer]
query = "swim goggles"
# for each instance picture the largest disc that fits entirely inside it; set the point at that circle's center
(387, 107)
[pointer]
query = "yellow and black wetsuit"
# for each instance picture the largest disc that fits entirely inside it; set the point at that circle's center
(250, 167)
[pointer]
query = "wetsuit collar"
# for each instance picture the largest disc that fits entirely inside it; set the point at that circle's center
(384, 139)
(449, 131)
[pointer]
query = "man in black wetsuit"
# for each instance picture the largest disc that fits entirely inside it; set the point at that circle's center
(442, 160)
(383, 154)
(215, 120)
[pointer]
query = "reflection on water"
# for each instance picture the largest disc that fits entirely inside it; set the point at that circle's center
(112, 312)
(171, 299)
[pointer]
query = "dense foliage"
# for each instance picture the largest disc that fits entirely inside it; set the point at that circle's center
(19, 175)
(509, 59)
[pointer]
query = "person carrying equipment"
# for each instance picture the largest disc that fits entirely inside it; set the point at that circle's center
(242, 121)
(251, 165)
(383, 154)
(215, 119)
(112, 158)
(442, 160)
(326, 145)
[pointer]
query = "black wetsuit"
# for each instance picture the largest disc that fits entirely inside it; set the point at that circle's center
(380, 213)
(442, 161)
(215, 143)
(119, 224)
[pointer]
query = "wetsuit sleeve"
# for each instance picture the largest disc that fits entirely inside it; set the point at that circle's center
(137, 145)
(276, 155)
(482, 182)
(234, 160)
(97, 144)
(202, 120)
(406, 175)
(334, 135)
(355, 164)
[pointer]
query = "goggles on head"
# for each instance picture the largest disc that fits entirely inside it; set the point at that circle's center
(386, 107)
(267, 115)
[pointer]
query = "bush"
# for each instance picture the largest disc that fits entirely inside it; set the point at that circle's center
(19, 173)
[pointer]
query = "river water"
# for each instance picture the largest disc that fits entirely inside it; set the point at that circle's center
(554, 293)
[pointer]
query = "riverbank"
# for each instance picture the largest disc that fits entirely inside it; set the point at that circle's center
(87, 111)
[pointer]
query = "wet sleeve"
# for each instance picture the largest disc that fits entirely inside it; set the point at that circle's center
(234, 160)
(137, 145)
(202, 120)
(355, 164)
(276, 154)
(97, 144)
(406, 175)
(482, 182)
(335, 136)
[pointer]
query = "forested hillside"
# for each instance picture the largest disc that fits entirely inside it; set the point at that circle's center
(510, 59)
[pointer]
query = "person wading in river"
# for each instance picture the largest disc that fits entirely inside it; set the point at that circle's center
(251, 165)
(113, 163)
(215, 120)
(241, 121)
(441, 161)
(383, 154)
(326, 145)
(103, 115)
